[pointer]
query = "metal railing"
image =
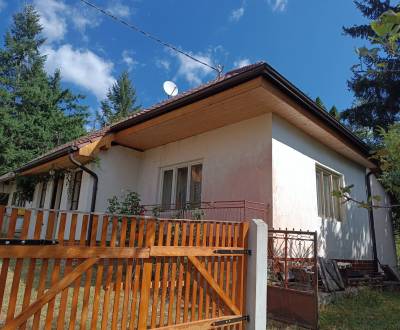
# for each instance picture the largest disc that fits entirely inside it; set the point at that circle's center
(216, 210)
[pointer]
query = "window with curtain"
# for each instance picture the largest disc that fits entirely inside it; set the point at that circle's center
(329, 206)
(181, 186)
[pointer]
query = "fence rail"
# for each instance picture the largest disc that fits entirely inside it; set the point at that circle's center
(136, 272)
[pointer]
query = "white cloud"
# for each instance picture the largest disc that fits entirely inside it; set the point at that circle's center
(194, 72)
(52, 18)
(278, 5)
(117, 8)
(81, 67)
(163, 64)
(237, 14)
(241, 62)
(56, 16)
(127, 58)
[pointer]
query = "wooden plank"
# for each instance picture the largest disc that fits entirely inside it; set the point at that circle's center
(6, 261)
(108, 285)
(137, 275)
(209, 269)
(178, 311)
(146, 278)
(173, 275)
(75, 295)
(99, 276)
(197, 325)
(157, 275)
(50, 294)
(228, 261)
(202, 283)
(195, 278)
(187, 279)
(72, 252)
(55, 272)
(17, 271)
(196, 251)
(241, 291)
(88, 277)
(215, 275)
(68, 269)
(235, 263)
(32, 266)
(214, 285)
(43, 272)
(118, 278)
(128, 275)
(165, 276)
(222, 264)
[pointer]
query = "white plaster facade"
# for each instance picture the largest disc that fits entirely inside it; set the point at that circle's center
(263, 159)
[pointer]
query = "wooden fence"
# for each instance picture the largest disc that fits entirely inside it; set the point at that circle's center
(133, 272)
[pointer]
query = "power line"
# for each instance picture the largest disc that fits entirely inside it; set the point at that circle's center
(218, 69)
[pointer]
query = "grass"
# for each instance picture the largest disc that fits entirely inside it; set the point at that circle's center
(366, 310)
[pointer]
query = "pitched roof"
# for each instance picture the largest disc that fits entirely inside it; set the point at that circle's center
(226, 81)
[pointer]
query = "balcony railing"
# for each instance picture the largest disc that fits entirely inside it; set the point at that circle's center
(216, 210)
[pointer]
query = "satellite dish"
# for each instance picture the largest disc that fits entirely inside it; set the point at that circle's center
(170, 88)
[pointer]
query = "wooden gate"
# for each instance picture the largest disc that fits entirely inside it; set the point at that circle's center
(133, 272)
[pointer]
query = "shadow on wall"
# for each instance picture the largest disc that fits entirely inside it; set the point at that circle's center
(347, 239)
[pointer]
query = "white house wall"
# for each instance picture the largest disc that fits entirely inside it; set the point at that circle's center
(236, 162)
(385, 245)
(294, 157)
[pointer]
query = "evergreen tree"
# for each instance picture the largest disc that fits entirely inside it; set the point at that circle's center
(120, 102)
(36, 113)
(376, 91)
(334, 112)
(320, 103)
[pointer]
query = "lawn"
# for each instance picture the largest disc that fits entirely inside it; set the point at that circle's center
(366, 310)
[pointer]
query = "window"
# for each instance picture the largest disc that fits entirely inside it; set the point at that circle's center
(42, 196)
(75, 190)
(57, 193)
(181, 185)
(329, 206)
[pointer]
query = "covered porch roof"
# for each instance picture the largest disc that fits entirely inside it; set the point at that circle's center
(238, 95)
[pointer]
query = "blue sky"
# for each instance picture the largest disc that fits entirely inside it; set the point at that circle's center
(302, 39)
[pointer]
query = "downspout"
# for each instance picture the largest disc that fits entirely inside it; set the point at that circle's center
(371, 221)
(94, 191)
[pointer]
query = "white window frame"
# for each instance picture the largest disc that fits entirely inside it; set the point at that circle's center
(332, 172)
(174, 169)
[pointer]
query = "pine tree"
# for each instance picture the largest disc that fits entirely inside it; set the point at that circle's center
(36, 113)
(334, 112)
(377, 97)
(120, 102)
(320, 103)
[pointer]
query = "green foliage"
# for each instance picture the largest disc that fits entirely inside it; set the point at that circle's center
(334, 112)
(389, 159)
(120, 102)
(36, 113)
(127, 204)
(320, 103)
(376, 79)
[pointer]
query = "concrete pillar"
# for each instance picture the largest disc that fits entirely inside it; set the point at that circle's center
(256, 289)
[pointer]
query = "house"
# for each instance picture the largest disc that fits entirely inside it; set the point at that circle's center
(248, 135)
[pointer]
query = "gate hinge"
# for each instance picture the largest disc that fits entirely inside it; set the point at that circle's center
(5, 241)
(230, 321)
(227, 251)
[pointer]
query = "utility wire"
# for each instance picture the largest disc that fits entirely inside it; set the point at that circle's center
(218, 69)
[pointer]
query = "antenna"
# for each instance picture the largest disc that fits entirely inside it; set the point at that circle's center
(170, 88)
